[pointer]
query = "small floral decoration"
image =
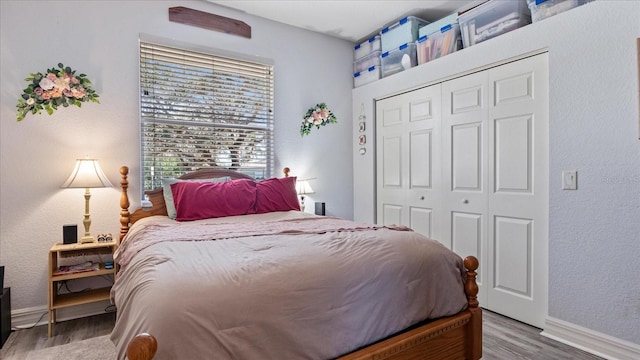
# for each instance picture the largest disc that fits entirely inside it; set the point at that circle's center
(317, 116)
(58, 87)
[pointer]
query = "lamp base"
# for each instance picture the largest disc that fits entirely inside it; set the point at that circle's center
(302, 203)
(87, 239)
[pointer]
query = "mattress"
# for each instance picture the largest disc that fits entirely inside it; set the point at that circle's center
(280, 285)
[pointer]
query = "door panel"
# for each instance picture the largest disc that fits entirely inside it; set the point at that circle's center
(392, 214)
(420, 220)
(424, 187)
(467, 237)
(421, 109)
(464, 140)
(466, 99)
(514, 88)
(420, 162)
(512, 246)
(390, 176)
(391, 166)
(466, 157)
(512, 154)
(518, 203)
(392, 115)
(408, 160)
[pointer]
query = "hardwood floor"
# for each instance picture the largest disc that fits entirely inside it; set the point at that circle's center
(503, 339)
(64, 332)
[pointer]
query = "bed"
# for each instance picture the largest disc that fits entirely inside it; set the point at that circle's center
(279, 283)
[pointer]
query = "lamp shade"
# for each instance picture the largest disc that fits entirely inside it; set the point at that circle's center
(303, 187)
(87, 174)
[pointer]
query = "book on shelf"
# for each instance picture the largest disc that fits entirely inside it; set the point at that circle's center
(77, 268)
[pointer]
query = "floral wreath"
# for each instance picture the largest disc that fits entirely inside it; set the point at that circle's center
(58, 87)
(317, 116)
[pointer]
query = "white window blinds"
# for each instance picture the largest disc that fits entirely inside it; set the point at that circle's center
(200, 110)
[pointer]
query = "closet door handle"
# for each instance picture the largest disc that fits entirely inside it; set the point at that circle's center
(465, 201)
(422, 197)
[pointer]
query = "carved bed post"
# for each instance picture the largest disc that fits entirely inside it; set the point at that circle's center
(142, 347)
(470, 286)
(124, 202)
(474, 329)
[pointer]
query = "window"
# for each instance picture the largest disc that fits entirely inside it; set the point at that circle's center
(200, 110)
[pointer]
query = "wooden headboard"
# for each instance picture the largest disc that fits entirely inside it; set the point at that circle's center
(157, 198)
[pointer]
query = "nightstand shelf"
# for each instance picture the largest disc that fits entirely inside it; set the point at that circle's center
(80, 275)
(83, 297)
(59, 300)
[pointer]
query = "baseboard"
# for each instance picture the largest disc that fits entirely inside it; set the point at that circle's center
(599, 344)
(39, 315)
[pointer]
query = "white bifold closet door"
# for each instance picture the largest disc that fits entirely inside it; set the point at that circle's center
(408, 180)
(495, 146)
(491, 197)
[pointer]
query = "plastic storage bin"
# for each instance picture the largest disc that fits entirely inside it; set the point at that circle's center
(366, 62)
(367, 47)
(437, 25)
(402, 32)
(542, 9)
(367, 76)
(402, 58)
(440, 43)
(491, 19)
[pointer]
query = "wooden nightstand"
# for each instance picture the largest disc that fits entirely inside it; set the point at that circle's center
(59, 300)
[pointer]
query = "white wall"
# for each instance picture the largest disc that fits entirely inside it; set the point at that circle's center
(100, 39)
(594, 232)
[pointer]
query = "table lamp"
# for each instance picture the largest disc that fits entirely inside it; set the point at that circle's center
(303, 188)
(87, 174)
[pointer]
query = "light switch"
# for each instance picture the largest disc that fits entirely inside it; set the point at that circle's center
(569, 180)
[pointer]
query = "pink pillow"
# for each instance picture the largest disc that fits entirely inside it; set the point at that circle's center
(199, 200)
(277, 194)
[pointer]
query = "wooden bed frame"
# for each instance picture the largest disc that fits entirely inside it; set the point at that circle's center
(453, 337)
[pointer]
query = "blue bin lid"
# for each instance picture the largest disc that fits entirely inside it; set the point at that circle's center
(371, 39)
(370, 69)
(402, 21)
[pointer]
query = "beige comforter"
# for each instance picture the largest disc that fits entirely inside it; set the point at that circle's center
(284, 285)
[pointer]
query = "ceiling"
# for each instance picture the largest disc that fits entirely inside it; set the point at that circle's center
(350, 20)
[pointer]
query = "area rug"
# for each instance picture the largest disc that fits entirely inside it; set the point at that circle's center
(98, 348)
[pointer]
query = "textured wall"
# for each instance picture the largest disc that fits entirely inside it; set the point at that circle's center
(594, 232)
(100, 38)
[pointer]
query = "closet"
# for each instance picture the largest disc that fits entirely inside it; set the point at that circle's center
(465, 162)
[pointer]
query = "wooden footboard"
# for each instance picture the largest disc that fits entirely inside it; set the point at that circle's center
(453, 337)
